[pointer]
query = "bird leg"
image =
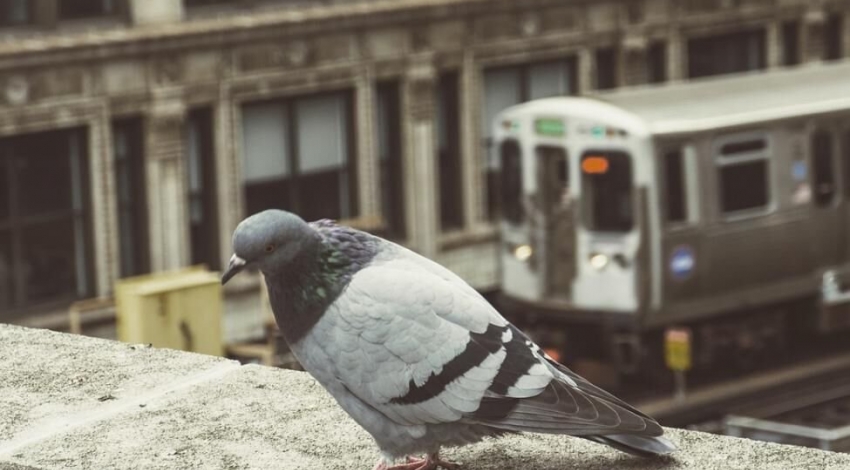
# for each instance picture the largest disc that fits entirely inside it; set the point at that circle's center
(430, 462)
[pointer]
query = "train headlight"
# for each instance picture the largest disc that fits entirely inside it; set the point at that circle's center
(523, 252)
(599, 261)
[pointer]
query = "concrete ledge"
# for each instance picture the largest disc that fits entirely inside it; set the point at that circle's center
(76, 402)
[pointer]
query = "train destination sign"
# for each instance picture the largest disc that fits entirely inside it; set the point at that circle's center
(551, 127)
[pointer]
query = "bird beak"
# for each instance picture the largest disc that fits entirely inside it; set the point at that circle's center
(236, 265)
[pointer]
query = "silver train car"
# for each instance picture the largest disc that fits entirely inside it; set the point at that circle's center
(719, 205)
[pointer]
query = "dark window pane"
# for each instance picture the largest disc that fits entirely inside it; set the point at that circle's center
(656, 58)
(49, 261)
(744, 186)
(727, 53)
(129, 165)
(14, 12)
(607, 191)
(511, 190)
(674, 179)
(791, 43)
(6, 273)
(606, 68)
(824, 180)
(845, 149)
(319, 194)
(833, 37)
(42, 161)
(203, 225)
(390, 155)
(273, 194)
(5, 188)
(449, 164)
(75, 9)
(743, 147)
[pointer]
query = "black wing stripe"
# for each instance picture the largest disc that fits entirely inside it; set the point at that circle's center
(480, 346)
(519, 360)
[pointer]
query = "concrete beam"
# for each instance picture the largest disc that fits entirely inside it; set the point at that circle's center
(76, 402)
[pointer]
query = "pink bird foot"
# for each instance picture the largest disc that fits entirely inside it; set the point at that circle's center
(430, 462)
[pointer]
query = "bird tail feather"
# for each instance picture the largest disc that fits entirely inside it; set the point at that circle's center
(641, 446)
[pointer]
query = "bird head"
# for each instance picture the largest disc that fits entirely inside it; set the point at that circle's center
(268, 240)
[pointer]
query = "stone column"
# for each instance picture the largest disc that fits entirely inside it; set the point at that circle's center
(813, 49)
(586, 71)
(420, 164)
(228, 173)
(677, 57)
(634, 59)
(167, 212)
(470, 141)
(368, 174)
(774, 45)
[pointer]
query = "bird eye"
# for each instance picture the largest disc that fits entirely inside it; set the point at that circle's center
(270, 248)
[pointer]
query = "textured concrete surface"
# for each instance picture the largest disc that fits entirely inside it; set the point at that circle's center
(78, 403)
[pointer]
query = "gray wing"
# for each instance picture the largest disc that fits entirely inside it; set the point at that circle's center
(420, 346)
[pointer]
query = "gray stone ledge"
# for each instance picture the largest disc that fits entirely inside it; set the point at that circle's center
(75, 402)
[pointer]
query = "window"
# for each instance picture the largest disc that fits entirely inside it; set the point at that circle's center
(674, 181)
(297, 156)
(656, 58)
(450, 168)
(833, 37)
(791, 43)
(79, 9)
(822, 166)
(15, 12)
(511, 189)
(200, 157)
(845, 150)
(607, 191)
(744, 173)
(390, 155)
(606, 68)
(507, 86)
(130, 182)
(727, 53)
(44, 234)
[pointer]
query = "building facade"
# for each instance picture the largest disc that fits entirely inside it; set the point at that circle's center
(136, 134)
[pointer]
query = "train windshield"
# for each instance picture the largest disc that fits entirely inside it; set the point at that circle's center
(607, 191)
(511, 170)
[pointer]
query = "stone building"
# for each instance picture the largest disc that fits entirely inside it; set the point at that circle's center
(136, 134)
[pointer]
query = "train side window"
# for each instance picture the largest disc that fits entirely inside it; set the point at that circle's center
(744, 172)
(674, 180)
(822, 166)
(511, 163)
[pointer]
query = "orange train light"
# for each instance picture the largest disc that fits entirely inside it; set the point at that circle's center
(595, 165)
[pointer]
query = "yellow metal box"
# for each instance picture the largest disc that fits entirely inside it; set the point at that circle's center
(177, 310)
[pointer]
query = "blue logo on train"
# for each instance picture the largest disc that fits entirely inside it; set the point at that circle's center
(682, 262)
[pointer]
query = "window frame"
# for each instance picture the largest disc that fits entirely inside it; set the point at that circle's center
(722, 161)
(523, 69)
(77, 139)
(295, 176)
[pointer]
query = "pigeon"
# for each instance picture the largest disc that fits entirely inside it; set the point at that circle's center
(414, 354)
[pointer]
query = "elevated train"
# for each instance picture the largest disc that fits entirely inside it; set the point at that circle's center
(720, 205)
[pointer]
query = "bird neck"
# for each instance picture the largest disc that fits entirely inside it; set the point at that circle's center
(312, 281)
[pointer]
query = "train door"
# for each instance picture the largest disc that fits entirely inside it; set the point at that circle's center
(609, 237)
(845, 179)
(556, 213)
(823, 150)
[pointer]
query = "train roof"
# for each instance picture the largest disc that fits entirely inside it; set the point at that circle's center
(714, 103)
